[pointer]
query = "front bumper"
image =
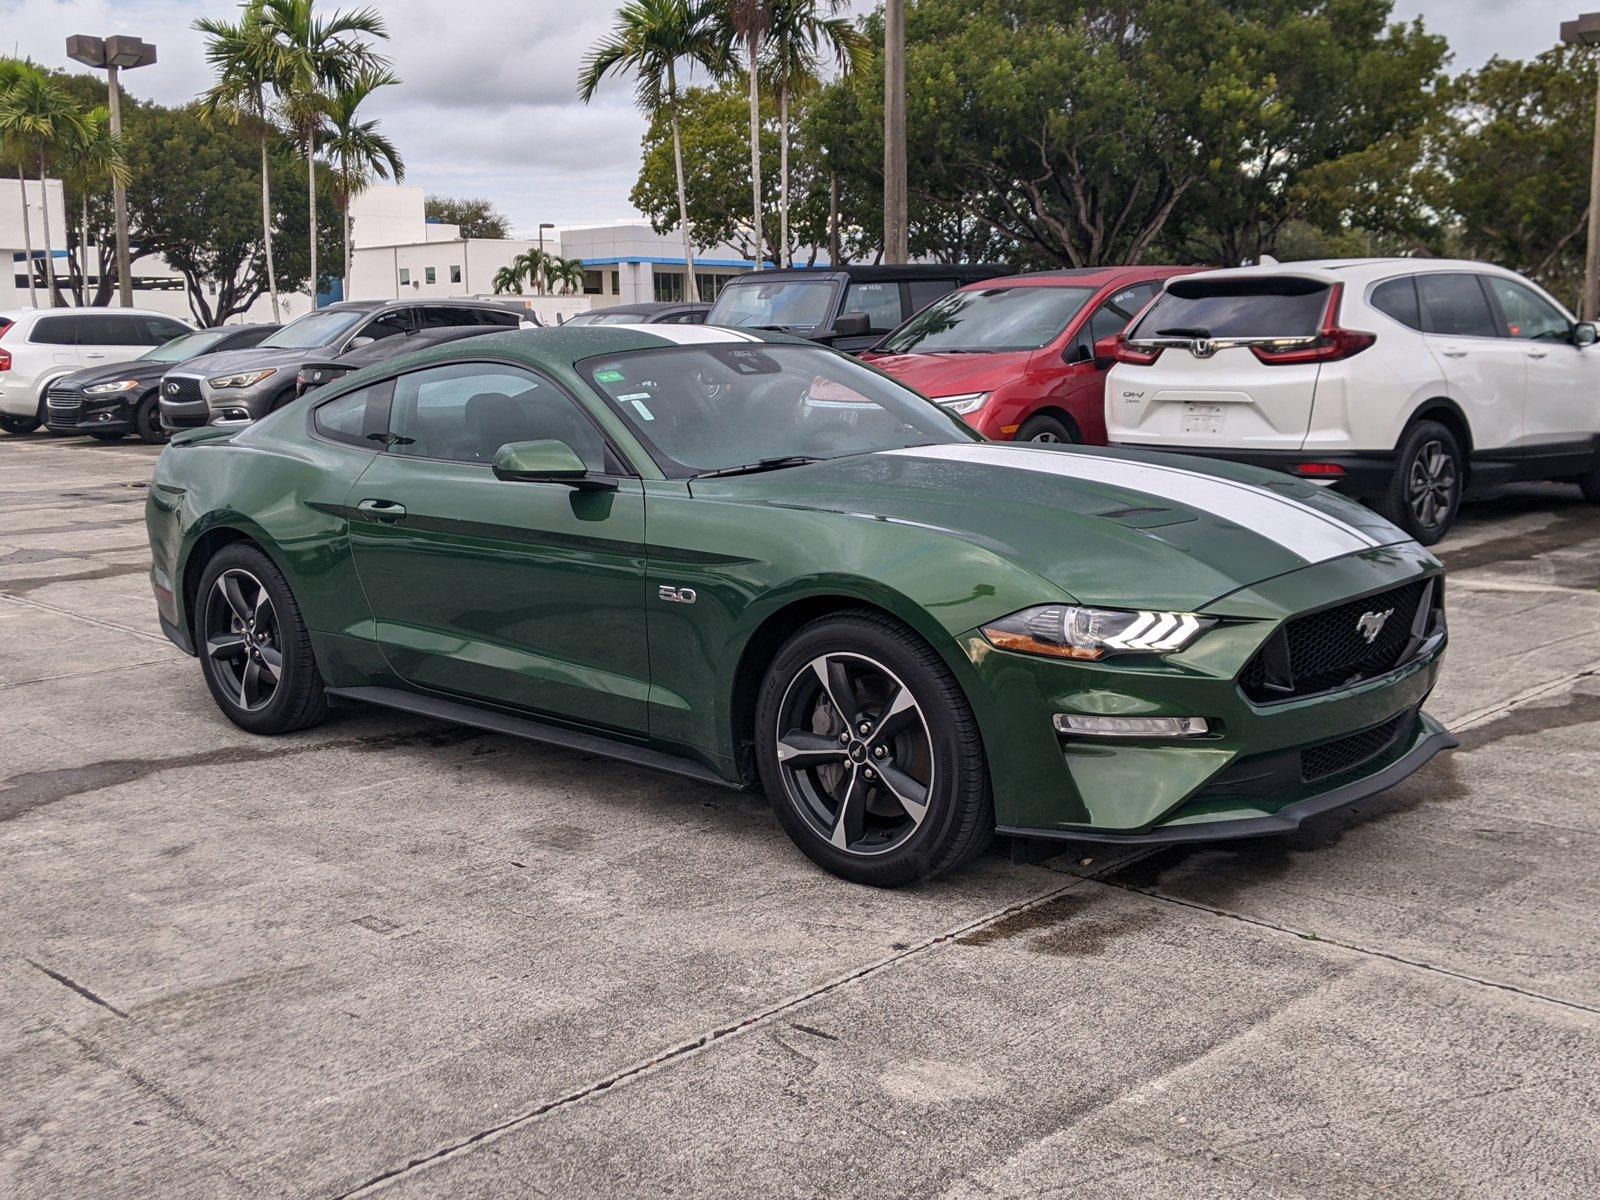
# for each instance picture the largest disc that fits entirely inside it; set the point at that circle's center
(1261, 767)
(69, 412)
(1362, 472)
(189, 401)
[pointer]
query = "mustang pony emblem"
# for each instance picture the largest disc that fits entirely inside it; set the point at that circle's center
(1371, 624)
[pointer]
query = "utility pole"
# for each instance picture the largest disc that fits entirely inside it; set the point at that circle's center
(539, 281)
(114, 54)
(1585, 31)
(896, 234)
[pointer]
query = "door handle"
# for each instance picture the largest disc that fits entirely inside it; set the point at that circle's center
(382, 510)
(1454, 353)
(1538, 353)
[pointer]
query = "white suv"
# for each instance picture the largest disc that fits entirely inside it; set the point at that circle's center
(1403, 381)
(39, 345)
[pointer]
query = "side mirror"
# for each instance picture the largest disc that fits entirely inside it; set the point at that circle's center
(1585, 333)
(547, 461)
(357, 342)
(1105, 350)
(852, 324)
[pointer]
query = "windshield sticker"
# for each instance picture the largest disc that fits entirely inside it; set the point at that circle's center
(643, 412)
(610, 375)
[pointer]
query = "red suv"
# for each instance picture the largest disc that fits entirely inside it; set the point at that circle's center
(1015, 356)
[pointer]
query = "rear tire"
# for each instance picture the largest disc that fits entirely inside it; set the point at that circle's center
(1045, 428)
(1590, 484)
(255, 651)
(906, 800)
(1424, 494)
(19, 425)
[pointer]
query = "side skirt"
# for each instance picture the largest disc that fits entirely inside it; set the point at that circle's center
(530, 730)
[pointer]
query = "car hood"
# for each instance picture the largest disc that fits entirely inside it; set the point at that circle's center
(953, 374)
(1108, 527)
(229, 361)
(144, 372)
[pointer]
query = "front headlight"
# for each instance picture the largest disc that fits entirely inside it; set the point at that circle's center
(969, 402)
(108, 389)
(243, 379)
(1072, 631)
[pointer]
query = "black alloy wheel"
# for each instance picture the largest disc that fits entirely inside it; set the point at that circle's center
(243, 639)
(147, 422)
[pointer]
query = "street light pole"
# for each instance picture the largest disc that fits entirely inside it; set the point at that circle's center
(896, 238)
(113, 54)
(1585, 31)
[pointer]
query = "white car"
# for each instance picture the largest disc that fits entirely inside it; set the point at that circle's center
(1402, 381)
(39, 345)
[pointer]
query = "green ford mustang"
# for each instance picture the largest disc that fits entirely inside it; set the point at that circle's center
(747, 559)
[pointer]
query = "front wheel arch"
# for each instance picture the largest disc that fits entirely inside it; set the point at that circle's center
(1448, 413)
(204, 549)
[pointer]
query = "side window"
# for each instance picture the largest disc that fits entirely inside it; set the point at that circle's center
(1397, 298)
(880, 301)
(158, 331)
(465, 412)
(1527, 314)
(388, 325)
(55, 331)
(354, 417)
(925, 291)
(1113, 316)
(1454, 303)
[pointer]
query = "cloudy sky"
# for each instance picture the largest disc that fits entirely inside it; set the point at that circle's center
(488, 106)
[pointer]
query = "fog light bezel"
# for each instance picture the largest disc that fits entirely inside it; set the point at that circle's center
(1083, 725)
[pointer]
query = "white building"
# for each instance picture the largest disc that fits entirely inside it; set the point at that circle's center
(399, 253)
(156, 285)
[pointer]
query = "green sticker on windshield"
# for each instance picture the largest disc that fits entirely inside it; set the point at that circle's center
(610, 376)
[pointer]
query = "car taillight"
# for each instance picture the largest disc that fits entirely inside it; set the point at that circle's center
(1115, 346)
(1332, 343)
(5, 360)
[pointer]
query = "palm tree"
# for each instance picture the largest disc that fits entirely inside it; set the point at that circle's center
(312, 58)
(531, 266)
(357, 148)
(11, 73)
(565, 275)
(748, 22)
(97, 156)
(509, 277)
(650, 38)
(803, 33)
(241, 53)
(40, 116)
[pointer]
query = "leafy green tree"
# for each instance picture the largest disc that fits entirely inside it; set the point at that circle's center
(649, 40)
(476, 218)
(360, 151)
(88, 164)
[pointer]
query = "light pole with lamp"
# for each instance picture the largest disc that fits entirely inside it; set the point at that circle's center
(543, 225)
(114, 55)
(1585, 31)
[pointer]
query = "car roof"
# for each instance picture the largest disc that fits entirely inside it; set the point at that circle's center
(17, 314)
(1093, 277)
(879, 272)
(1358, 270)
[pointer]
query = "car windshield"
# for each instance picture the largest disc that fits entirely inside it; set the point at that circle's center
(801, 304)
(313, 329)
(989, 320)
(608, 318)
(190, 345)
(711, 407)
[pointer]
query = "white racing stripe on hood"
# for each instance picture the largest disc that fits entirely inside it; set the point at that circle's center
(690, 335)
(1299, 528)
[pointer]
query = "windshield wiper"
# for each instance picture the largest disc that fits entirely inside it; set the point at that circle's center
(764, 464)
(1188, 331)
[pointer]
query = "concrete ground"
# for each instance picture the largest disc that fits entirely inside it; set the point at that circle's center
(389, 956)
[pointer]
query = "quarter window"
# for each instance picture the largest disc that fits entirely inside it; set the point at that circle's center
(351, 418)
(55, 331)
(1528, 315)
(1454, 303)
(1397, 298)
(465, 412)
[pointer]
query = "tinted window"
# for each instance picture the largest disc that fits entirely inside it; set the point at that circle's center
(990, 319)
(1112, 317)
(1455, 304)
(703, 407)
(109, 330)
(180, 349)
(158, 331)
(55, 331)
(1527, 314)
(348, 419)
(1398, 299)
(466, 411)
(782, 304)
(314, 329)
(880, 301)
(925, 291)
(1282, 306)
(389, 324)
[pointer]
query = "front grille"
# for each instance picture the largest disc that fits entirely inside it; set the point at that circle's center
(1335, 758)
(180, 390)
(62, 407)
(1329, 649)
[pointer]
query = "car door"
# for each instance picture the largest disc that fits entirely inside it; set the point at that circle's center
(522, 594)
(57, 338)
(1078, 382)
(1485, 373)
(1563, 379)
(109, 337)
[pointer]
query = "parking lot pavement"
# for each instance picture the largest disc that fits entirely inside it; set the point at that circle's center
(390, 956)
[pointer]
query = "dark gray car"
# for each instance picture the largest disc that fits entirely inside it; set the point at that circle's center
(244, 385)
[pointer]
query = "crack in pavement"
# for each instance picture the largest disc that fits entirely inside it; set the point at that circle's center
(73, 985)
(685, 1049)
(77, 616)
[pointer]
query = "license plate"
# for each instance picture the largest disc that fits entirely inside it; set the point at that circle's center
(1202, 418)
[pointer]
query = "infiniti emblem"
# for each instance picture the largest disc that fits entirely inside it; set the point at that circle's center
(1371, 624)
(172, 389)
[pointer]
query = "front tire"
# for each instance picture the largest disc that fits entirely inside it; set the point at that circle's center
(869, 753)
(255, 650)
(1047, 429)
(1424, 493)
(147, 422)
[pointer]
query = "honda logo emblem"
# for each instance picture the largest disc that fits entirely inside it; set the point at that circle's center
(1371, 624)
(1203, 348)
